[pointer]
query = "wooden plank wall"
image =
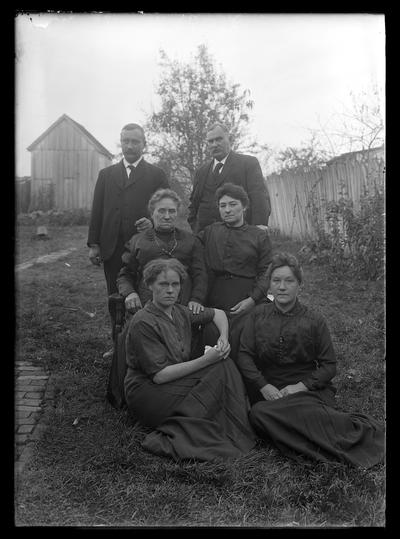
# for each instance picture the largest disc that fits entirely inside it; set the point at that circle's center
(69, 161)
(22, 195)
(295, 195)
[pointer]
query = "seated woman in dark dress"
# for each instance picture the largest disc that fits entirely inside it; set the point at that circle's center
(286, 355)
(165, 240)
(237, 256)
(197, 406)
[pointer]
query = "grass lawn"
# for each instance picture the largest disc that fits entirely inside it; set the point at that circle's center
(88, 469)
(28, 247)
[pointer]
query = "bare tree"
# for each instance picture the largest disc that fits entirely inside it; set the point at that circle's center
(357, 127)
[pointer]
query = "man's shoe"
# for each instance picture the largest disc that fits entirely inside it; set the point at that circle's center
(108, 354)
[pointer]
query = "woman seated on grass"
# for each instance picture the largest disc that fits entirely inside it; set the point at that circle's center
(286, 355)
(197, 406)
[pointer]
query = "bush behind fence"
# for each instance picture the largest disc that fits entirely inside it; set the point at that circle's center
(338, 211)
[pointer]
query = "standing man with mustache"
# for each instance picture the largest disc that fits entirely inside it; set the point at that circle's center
(227, 166)
(119, 208)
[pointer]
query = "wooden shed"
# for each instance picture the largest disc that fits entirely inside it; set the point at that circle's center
(65, 162)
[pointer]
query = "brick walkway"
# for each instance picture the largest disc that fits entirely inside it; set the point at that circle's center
(32, 390)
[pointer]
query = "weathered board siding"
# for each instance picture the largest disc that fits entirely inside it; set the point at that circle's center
(294, 196)
(64, 169)
(22, 195)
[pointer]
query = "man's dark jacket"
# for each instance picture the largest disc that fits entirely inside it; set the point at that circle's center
(118, 203)
(239, 169)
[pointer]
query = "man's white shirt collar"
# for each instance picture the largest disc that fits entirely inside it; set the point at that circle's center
(222, 161)
(135, 164)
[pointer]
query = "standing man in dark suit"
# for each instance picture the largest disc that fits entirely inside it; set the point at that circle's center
(227, 166)
(119, 208)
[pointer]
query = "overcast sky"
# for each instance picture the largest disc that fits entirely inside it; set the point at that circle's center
(102, 69)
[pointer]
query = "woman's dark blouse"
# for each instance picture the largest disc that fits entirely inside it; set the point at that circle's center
(142, 248)
(154, 340)
(286, 348)
(243, 251)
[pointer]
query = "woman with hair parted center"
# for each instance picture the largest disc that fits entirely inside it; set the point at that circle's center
(286, 357)
(197, 406)
(237, 256)
(164, 240)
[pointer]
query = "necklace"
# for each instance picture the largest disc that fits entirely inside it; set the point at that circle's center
(166, 251)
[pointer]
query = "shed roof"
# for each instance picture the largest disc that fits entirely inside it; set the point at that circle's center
(80, 127)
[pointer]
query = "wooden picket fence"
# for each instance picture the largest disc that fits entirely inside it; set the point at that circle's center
(297, 199)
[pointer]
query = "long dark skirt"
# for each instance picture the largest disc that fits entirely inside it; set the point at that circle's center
(225, 293)
(307, 423)
(202, 416)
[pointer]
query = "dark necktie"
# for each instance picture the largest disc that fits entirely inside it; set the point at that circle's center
(217, 170)
(131, 173)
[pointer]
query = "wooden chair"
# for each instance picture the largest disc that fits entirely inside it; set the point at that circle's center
(118, 368)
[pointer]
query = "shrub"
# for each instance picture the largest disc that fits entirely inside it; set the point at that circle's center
(351, 240)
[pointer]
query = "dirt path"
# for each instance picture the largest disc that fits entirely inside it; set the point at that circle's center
(45, 258)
